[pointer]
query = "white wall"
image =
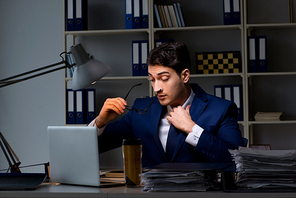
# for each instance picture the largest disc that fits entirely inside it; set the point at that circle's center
(31, 36)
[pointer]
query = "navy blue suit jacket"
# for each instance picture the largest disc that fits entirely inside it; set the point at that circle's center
(215, 115)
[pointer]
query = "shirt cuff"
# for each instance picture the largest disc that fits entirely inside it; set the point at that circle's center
(99, 130)
(193, 137)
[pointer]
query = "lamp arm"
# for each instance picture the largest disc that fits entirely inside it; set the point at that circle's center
(32, 71)
(8, 152)
(7, 83)
(13, 79)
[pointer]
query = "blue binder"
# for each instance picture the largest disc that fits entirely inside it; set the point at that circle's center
(252, 56)
(81, 15)
(136, 70)
(262, 67)
(144, 54)
(80, 106)
(70, 107)
(237, 99)
(91, 105)
(70, 24)
(232, 93)
(128, 14)
(144, 13)
(236, 15)
(137, 14)
(227, 12)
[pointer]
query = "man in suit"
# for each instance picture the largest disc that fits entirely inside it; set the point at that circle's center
(183, 123)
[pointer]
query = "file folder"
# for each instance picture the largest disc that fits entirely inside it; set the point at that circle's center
(136, 71)
(144, 54)
(136, 14)
(144, 12)
(227, 12)
(237, 99)
(181, 14)
(219, 91)
(236, 16)
(177, 15)
(252, 54)
(70, 24)
(172, 16)
(162, 16)
(70, 107)
(157, 15)
(128, 14)
(167, 16)
(262, 67)
(80, 115)
(91, 105)
(81, 15)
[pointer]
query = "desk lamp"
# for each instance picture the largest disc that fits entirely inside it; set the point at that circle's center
(87, 71)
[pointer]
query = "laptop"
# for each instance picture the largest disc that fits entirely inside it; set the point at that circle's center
(74, 155)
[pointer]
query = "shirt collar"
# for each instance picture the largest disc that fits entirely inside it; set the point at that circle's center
(188, 101)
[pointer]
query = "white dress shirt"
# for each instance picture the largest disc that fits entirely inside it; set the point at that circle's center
(164, 126)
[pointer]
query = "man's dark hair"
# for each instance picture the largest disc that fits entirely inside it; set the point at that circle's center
(170, 54)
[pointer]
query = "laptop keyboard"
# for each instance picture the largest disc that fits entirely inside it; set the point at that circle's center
(21, 181)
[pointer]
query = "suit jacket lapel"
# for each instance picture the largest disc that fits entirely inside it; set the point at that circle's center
(181, 138)
(198, 105)
(199, 102)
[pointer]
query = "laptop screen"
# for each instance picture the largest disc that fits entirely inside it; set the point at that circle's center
(74, 155)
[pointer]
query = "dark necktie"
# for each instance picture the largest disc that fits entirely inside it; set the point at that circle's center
(171, 142)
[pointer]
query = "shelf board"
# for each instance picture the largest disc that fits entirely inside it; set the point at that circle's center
(112, 78)
(271, 74)
(273, 122)
(106, 32)
(125, 78)
(272, 25)
(140, 31)
(215, 75)
(196, 28)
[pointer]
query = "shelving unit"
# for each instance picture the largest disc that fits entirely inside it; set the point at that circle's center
(204, 32)
(272, 90)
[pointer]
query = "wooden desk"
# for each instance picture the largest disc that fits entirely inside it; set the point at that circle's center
(59, 191)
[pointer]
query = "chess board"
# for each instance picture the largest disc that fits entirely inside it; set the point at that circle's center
(218, 62)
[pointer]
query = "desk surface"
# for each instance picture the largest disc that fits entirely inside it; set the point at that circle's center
(55, 190)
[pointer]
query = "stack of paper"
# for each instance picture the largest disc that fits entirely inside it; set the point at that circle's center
(265, 169)
(169, 180)
(268, 116)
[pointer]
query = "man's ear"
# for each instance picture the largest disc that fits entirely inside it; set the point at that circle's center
(185, 75)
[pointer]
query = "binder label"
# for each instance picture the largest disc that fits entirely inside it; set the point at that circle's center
(128, 7)
(262, 49)
(70, 9)
(136, 8)
(79, 8)
(91, 102)
(79, 101)
(71, 101)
